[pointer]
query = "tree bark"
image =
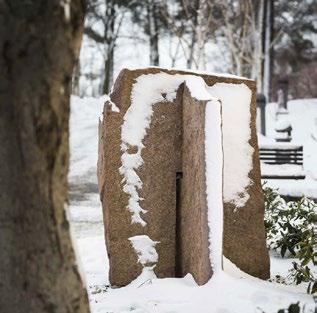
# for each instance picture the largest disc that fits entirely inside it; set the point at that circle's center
(109, 66)
(110, 42)
(153, 33)
(76, 78)
(193, 36)
(39, 42)
(268, 50)
(258, 43)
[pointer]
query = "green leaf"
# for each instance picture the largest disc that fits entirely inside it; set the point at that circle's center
(294, 308)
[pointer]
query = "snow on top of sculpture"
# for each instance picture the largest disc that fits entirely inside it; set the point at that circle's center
(236, 101)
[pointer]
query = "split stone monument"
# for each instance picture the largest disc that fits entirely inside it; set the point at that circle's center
(152, 176)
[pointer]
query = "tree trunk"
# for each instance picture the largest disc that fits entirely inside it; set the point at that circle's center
(109, 42)
(201, 30)
(76, 78)
(259, 59)
(268, 49)
(153, 33)
(193, 39)
(190, 59)
(109, 63)
(39, 42)
(257, 66)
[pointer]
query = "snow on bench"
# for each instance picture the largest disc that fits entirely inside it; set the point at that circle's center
(281, 160)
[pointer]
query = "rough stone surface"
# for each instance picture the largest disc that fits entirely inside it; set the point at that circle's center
(180, 226)
(192, 227)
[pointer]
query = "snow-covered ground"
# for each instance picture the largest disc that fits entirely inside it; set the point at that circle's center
(225, 293)
(303, 118)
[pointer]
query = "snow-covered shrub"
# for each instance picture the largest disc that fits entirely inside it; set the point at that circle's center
(293, 308)
(291, 230)
(289, 225)
(302, 273)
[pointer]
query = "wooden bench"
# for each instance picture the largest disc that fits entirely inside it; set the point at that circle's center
(282, 161)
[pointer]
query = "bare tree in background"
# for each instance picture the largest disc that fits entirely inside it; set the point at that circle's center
(152, 12)
(268, 48)
(248, 28)
(103, 23)
(192, 23)
(148, 15)
(254, 37)
(39, 42)
(242, 23)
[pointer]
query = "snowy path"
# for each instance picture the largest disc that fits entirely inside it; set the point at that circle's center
(87, 225)
(223, 294)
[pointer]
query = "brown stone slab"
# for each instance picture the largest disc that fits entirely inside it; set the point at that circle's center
(244, 235)
(192, 227)
(157, 173)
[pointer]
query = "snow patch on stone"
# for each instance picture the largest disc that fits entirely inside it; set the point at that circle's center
(214, 181)
(198, 72)
(234, 271)
(146, 277)
(114, 108)
(236, 101)
(144, 246)
(106, 99)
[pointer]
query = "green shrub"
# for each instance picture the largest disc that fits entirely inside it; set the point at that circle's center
(291, 230)
(289, 225)
(293, 308)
